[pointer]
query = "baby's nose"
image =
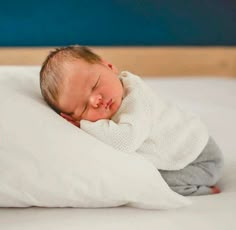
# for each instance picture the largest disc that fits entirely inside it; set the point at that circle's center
(96, 100)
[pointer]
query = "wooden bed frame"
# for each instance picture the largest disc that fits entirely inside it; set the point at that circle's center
(145, 61)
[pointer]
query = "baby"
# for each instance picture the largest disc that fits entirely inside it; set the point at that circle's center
(122, 111)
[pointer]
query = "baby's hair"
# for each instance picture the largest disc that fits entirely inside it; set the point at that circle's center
(51, 73)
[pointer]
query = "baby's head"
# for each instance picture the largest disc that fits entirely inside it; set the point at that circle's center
(78, 84)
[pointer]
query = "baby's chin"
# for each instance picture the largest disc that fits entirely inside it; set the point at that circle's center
(107, 116)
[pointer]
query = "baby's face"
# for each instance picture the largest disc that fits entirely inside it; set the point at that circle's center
(90, 91)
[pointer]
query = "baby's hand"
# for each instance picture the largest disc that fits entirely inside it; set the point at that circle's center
(70, 119)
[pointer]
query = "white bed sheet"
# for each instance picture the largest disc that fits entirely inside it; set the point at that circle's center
(214, 99)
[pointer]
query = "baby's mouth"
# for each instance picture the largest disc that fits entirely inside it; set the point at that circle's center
(109, 103)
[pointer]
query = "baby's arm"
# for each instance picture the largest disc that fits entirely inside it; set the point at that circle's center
(128, 130)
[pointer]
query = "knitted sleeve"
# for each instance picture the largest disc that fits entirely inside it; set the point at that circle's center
(130, 126)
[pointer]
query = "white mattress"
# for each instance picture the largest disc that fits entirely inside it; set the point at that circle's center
(214, 99)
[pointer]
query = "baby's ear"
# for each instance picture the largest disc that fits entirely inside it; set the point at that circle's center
(110, 66)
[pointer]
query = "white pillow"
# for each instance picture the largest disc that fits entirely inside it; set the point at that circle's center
(45, 161)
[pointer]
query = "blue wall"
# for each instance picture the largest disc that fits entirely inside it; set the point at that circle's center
(117, 22)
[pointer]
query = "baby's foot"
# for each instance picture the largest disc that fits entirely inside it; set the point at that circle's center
(215, 190)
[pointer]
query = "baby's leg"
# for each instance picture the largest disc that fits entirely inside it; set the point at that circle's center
(199, 177)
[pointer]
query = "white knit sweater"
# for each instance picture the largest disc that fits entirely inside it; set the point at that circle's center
(160, 131)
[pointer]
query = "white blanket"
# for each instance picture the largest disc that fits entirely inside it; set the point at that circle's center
(215, 100)
(45, 161)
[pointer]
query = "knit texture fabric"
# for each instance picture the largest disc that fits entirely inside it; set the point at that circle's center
(158, 130)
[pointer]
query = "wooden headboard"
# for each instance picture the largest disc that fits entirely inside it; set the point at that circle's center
(145, 61)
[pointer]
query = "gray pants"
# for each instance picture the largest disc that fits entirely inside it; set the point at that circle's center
(197, 178)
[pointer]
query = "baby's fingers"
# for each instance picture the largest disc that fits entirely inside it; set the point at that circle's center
(70, 119)
(67, 117)
(76, 123)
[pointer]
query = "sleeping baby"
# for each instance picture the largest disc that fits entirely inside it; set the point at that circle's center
(119, 109)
